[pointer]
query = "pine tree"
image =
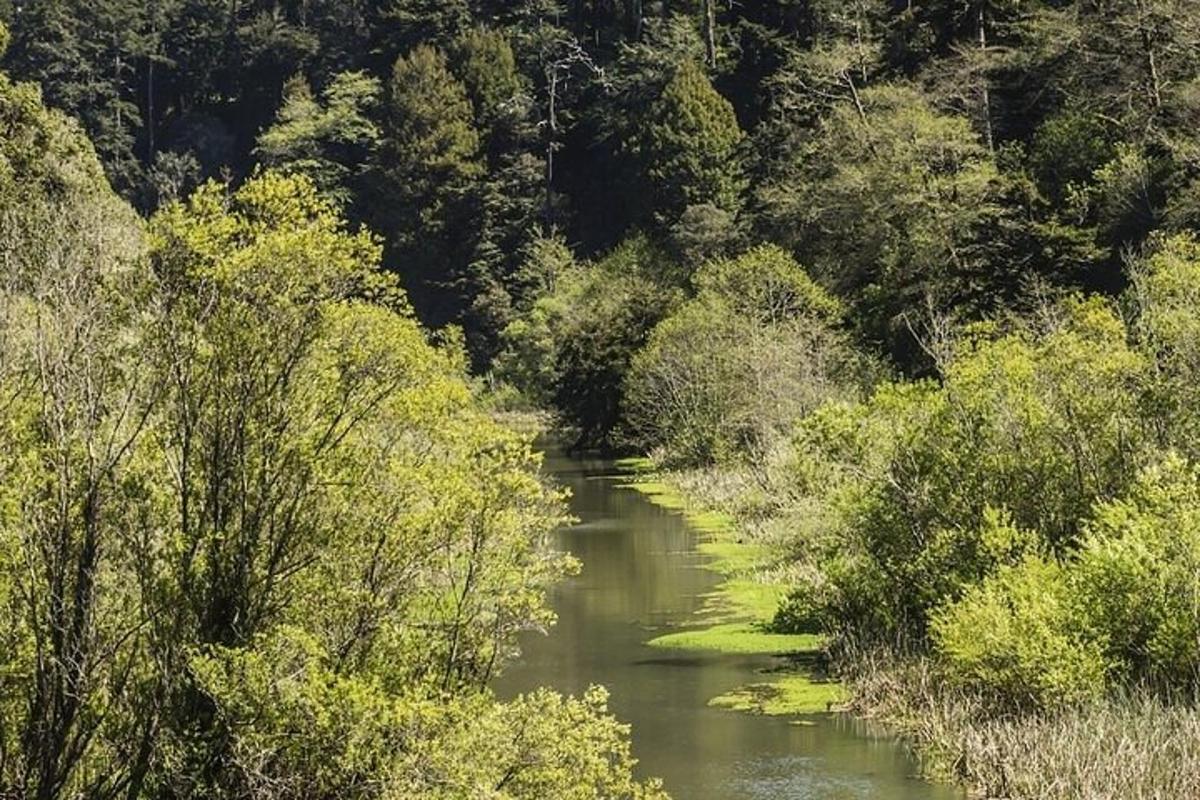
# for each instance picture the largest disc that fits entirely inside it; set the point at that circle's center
(689, 149)
(429, 168)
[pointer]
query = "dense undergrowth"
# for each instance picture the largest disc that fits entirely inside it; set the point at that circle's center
(1004, 554)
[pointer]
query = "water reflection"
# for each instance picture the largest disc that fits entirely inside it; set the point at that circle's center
(642, 575)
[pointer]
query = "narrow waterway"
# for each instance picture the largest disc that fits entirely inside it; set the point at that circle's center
(642, 575)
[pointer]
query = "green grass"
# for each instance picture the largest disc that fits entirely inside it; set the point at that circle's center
(635, 465)
(739, 607)
(710, 521)
(729, 556)
(745, 598)
(743, 638)
(661, 494)
(794, 693)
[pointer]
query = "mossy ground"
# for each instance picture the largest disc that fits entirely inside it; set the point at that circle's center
(744, 638)
(739, 611)
(793, 693)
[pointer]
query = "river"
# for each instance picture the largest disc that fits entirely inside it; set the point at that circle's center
(641, 576)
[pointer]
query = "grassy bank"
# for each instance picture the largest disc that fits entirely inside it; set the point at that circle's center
(1130, 746)
(736, 619)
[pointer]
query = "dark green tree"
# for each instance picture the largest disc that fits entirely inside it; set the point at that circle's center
(429, 171)
(688, 148)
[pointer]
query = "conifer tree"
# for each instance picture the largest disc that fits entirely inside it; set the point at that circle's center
(688, 150)
(330, 140)
(430, 167)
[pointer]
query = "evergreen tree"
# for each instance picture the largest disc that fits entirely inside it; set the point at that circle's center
(330, 141)
(85, 55)
(688, 150)
(429, 170)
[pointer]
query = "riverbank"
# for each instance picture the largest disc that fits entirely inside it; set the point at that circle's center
(738, 617)
(1134, 747)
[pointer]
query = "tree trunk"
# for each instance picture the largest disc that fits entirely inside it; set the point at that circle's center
(551, 137)
(634, 18)
(984, 88)
(710, 32)
(1149, 54)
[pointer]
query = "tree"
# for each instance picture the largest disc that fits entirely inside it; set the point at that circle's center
(1033, 425)
(487, 66)
(511, 201)
(331, 142)
(85, 55)
(1167, 328)
(429, 167)
(729, 374)
(77, 386)
(242, 489)
(891, 198)
(337, 501)
(688, 148)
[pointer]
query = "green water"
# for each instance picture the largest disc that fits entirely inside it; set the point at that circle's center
(642, 576)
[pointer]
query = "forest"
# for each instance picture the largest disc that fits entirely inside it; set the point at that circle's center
(907, 289)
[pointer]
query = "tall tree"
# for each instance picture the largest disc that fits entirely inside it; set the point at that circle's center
(331, 141)
(688, 148)
(429, 168)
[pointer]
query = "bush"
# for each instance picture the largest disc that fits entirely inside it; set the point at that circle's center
(574, 344)
(1037, 426)
(733, 369)
(1015, 634)
(1136, 577)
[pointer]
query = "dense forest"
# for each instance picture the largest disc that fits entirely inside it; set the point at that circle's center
(911, 288)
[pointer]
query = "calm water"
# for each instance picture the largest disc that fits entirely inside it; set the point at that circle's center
(641, 576)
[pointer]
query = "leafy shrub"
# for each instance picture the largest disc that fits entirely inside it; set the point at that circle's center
(1016, 634)
(733, 369)
(1037, 426)
(1136, 576)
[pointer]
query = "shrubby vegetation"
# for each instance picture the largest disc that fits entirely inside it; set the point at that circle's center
(911, 285)
(1016, 535)
(730, 370)
(257, 537)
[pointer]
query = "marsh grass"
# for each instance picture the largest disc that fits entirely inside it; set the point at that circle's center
(1131, 746)
(745, 638)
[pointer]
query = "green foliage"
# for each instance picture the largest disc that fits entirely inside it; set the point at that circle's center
(430, 120)
(889, 199)
(288, 548)
(304, 729)
(922, 159)
(234, 425)
(1122, 607)
(584, 333)
(429, 165)
(1164, 297)
(1015, 634)
(1068, 149)
(688, 146)
(1135, 576)
(621, 299)
(329, 141)
(756, 321)
(487, 67)
(1034, 426)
